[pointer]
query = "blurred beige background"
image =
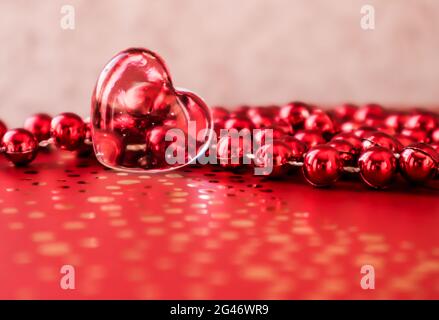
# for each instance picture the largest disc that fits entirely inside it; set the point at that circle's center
(253, 51)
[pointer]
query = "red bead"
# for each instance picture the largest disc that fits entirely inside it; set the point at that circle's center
(418, 134)
(349, 126)
(435, 135)
(146, 98)
(277, 155)
(268, 112)
(419, 162)
(297, 148)
(388, 130)
(368, 111)
(261, 121)
(348, 153)
(271, 111)
(395, 121)
(68, 131)
(374, 122)
(20, 146)
(130, 128)
(345, 111)
(284, 126)
(238, 124)
(109, 148)
(351, 138)
(425, 121)
(322, 166)
(310, 138)
(362, 131)
(381, 139)
(3, 129)
(404, 140)
(231, 152)
(320, 122)
(260, 136)
(377, 167)
(156, 147)
(295, 113)
(435, 146)
(39, 125)
(240, 112)
(86, 149)
(219, 113)
(158, 155)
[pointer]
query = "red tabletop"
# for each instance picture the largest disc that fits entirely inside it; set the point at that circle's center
(206, 233)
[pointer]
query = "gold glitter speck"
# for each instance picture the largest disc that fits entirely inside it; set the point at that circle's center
(101, 199)
(128, 182)
(54, 249)
(43, 236)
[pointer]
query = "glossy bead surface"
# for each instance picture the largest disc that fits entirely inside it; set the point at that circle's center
(219, 113)
(310, 138)
(262, 135)
(395, 121)
(39, 125)
(363, 131)
(345, 111)
(240, 112)
(274, 156)
(20, 146)
(351, 138)
(435, 146)
(424, 121)
(157, 154)
(109, 147)
(348, 153)
(233, 152)
(146, 98)
(377, 167)
(381, 139)
(134, 94)
(322, 166)
(349, 126)
(283, 126)
(68, 131)
(404, 140)
(419, 162)
(132, 130)
(264, 111)
(295, 113)
(320, 122)
(261, 121)
(417, 134)
(3, 129)
(297, 148)
(435, 135)
(86, 149)
(371, 110)
(238, 124)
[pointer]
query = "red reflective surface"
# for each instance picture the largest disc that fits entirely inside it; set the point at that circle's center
(208, 233)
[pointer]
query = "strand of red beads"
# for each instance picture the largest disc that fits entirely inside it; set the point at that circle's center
(367, 140)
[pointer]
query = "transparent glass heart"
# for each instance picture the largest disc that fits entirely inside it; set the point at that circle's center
(135, 108)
